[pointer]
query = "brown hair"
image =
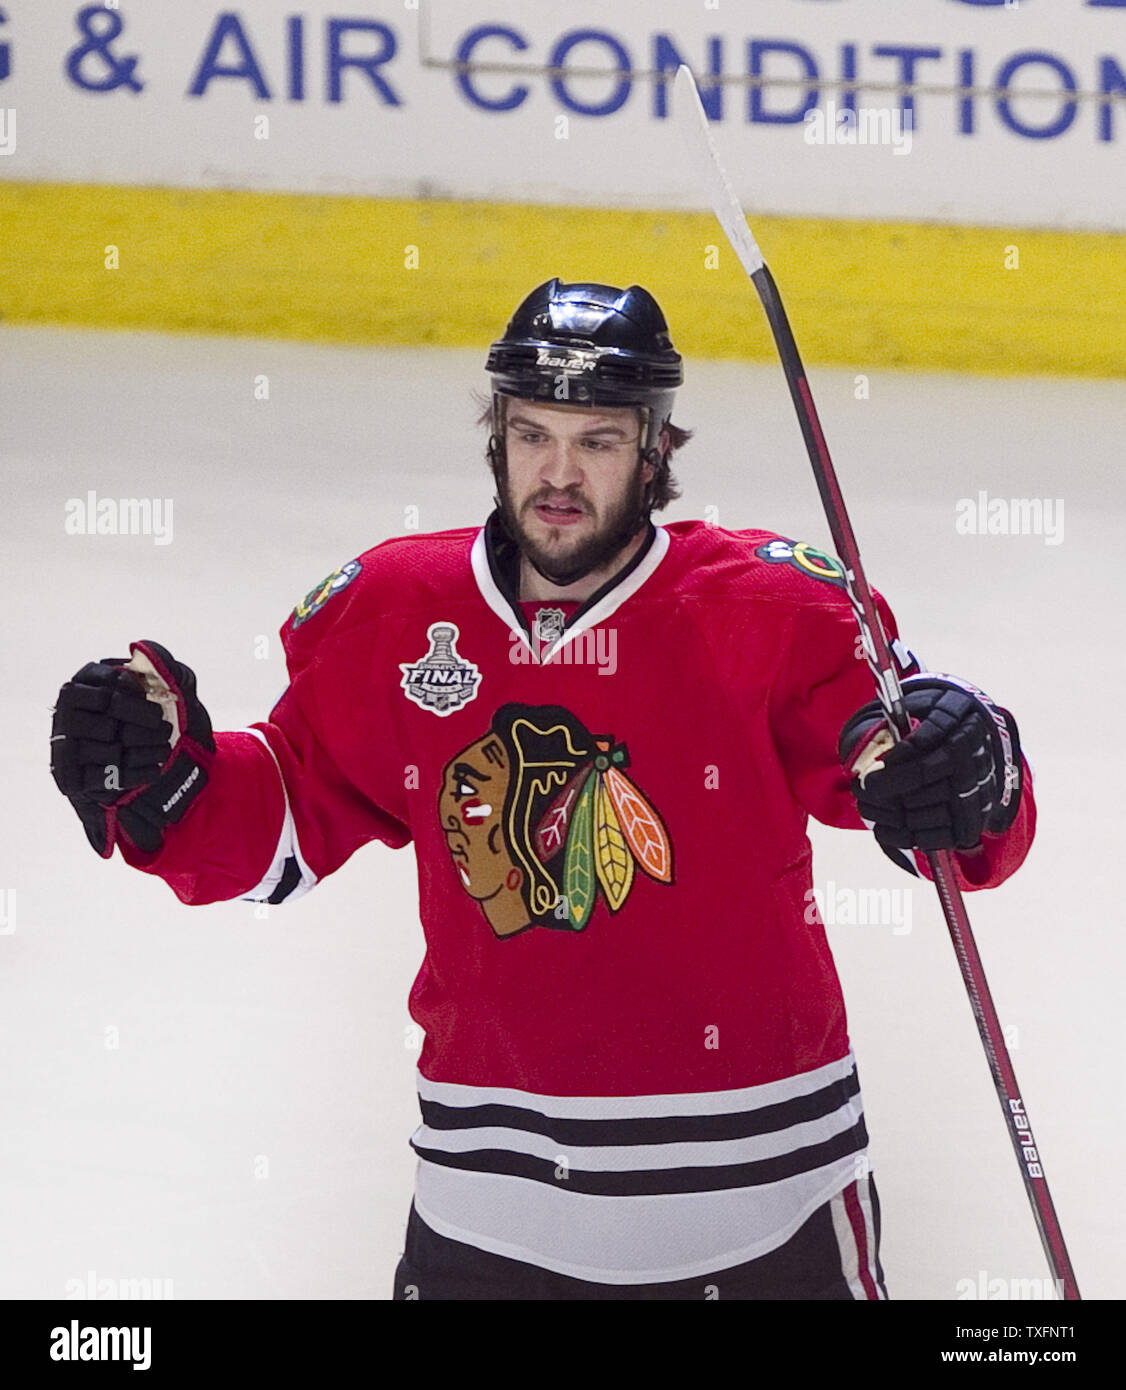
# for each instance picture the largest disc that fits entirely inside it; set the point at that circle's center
(664, 487)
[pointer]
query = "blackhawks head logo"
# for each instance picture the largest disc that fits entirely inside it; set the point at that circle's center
(540, 817)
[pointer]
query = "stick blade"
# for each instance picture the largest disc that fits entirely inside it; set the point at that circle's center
(692, 120)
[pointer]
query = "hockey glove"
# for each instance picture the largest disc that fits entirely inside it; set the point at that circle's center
(130, 745)
(956, 776)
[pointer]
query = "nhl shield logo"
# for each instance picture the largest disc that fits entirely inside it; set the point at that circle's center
(549, 625)
(441, 681)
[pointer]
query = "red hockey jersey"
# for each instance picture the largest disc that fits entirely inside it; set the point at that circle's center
(636, 1065)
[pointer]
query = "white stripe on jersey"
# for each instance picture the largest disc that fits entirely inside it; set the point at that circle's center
(620, 1240)
(636, 1189)
(846, 1243)
(287, 847)
(609, 603)
(629, 1158)
(855, 1258)
(864, 1192)
(641, 1107)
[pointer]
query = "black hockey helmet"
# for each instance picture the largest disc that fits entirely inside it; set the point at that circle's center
(588, 344)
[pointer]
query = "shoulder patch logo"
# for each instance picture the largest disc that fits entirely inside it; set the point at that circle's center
(805, 557)
(441, 681)
(316, 598)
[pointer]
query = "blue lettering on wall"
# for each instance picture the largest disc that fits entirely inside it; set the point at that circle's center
(1005, 75)
(966, 102)
(295, 26)
(667, 58)
(909, 59)
(794, 75)
(465, 51)
(243, 63)
(757, 109)
(338, 60)
(93, 65)
(1112, 80)
(846, 100)
(558, 59)
(228, 26)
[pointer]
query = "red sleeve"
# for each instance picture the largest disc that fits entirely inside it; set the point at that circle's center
(292, 798)
(999, 855)
(826, 679)
(225, 843)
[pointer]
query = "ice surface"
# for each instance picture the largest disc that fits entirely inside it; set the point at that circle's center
(247, 1136)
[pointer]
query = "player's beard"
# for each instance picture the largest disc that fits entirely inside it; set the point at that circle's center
(568, 564)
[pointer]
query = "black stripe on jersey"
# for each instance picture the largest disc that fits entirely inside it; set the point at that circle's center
(291, 877)
(655, 1181)
(503, 555)
(664, 1129)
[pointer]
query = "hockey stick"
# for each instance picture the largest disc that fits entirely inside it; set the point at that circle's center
(693, 123)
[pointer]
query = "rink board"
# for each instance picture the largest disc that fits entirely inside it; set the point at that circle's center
(371, 270)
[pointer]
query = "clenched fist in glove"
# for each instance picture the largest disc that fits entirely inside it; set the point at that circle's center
(956, 776)
(130, 746)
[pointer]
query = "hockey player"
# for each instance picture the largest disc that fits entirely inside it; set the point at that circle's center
(604, 738)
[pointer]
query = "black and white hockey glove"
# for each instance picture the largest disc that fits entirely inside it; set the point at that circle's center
(956, 776)
(130, 744)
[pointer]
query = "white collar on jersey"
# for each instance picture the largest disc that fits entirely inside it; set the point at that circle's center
(609, 602)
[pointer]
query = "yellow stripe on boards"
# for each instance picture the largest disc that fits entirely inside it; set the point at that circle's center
(375, 270)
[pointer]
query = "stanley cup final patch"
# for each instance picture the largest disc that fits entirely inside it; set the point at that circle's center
(441, 681)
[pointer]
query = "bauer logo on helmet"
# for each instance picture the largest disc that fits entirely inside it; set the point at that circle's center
(572, 362)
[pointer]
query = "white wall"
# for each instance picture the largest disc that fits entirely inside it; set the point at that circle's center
(401, 128)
